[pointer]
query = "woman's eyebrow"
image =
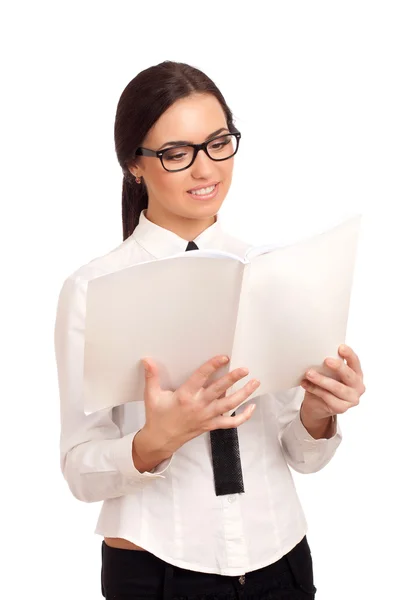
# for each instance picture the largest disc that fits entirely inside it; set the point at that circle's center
(183, 142)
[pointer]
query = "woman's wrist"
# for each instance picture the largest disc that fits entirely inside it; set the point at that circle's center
(318, 428)
(148, 450)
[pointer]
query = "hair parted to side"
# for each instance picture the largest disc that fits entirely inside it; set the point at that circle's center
(141, 104)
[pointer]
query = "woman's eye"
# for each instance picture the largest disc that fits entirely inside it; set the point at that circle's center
(220, 143)
(175, 156)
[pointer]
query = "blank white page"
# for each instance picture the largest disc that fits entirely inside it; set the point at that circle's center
(294, 308)
(179, 311)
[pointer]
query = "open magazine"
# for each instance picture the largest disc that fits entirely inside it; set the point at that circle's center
(276, 311)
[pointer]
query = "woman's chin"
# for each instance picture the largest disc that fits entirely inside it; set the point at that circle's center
(210, 205)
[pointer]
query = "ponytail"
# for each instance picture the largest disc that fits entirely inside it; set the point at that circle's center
(134, 200)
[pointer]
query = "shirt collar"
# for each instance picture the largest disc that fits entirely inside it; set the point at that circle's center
(162, 242)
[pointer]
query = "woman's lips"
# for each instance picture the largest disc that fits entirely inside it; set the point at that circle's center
(208, 196)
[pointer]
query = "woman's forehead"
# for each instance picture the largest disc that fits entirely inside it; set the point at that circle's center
(190, 119)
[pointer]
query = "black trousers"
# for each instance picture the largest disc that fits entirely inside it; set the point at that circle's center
(138, 575)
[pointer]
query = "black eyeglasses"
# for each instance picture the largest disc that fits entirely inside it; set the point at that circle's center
(178, 158)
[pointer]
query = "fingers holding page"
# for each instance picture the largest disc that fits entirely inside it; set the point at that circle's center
(224, 405)
(200, 377)
(218, 388)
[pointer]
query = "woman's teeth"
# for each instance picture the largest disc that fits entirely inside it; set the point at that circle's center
(203, 191)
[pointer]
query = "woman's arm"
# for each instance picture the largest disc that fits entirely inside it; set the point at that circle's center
(96, 459)
(303, 452)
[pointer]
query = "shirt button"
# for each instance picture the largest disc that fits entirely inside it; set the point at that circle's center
(231, 499)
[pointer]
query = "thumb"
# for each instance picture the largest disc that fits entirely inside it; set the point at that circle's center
(151, 383)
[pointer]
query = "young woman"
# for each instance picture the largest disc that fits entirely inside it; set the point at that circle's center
(195, 504)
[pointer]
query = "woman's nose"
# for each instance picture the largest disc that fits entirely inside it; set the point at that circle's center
(203, 166)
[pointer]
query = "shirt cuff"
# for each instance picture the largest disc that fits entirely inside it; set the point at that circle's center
(125, 464)
(303, 436)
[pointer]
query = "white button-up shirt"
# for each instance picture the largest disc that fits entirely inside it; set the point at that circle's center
(173, 511)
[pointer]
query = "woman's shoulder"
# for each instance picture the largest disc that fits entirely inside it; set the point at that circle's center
(125, 254)
(75, 283)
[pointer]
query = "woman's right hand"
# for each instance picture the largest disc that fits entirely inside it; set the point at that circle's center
(175, 417)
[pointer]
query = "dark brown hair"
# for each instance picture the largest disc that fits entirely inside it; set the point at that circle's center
(141, 104)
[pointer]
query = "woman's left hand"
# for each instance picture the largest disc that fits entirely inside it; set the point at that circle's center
(325, 396)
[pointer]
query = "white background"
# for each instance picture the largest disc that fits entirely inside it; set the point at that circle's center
(314, 87)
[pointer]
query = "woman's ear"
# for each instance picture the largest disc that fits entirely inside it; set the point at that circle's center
(134, 169)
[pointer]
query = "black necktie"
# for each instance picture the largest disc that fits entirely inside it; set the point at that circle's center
(225, 453)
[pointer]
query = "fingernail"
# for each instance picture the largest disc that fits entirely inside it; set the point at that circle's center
(331, 362)
(343, 348)
(255, 382)
(252, 407)
(224, 360)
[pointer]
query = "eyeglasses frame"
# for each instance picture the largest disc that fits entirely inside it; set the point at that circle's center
(197, 147)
